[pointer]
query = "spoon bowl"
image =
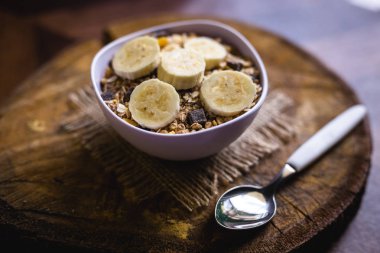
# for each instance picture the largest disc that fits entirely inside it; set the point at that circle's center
(245, 207)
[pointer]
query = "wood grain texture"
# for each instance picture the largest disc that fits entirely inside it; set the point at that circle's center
(50, 189)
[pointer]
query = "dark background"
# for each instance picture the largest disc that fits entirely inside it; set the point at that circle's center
(344, 36)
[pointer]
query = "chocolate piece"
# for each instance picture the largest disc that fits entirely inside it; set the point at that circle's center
(127, 95)
(235, 65)
(107, 95)
(196, 116)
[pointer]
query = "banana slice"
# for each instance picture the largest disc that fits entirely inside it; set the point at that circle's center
(154, 104)
(181, 68)
(227, 93)
(212, 51)
(137, 58)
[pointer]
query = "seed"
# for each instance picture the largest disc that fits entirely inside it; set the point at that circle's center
(132, 122)
(228, 48)
(219, 120)
(183, 131)
(182, 116)
(248, 71)
(103, 81)
(226, 119)
(195, 94)
(181, 126)
(196, 126)
(111, 79)
(173, 126)
(186, 96)
(127, 113)
(208, 124)
(109, 72)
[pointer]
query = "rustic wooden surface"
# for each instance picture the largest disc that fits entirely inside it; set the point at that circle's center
(51, 190)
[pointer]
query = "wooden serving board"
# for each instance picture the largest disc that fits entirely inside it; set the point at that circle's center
(51, 191)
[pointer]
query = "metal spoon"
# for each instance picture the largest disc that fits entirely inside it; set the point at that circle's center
(249, 206)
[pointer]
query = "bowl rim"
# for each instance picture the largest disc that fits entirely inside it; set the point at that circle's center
(200, 22)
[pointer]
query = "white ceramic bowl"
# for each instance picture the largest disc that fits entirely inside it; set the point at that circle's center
(182, 146)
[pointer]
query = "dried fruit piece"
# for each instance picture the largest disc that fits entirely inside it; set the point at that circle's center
(107, 95)
(196, 116)
(127, 95)
(235, 65)
(163, 41)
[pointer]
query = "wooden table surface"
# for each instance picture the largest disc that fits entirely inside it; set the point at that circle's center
(343, 36)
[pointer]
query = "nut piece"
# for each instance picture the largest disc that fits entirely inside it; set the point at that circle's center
(196, 116)
(121, 109)
(208, 124)
(195, 94)
(182, 116)
(249, 71)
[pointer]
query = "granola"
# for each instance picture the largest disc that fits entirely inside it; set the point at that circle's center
(192, 115)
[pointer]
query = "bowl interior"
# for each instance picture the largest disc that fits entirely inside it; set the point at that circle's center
(201, 27)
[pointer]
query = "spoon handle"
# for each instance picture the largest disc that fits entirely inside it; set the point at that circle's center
(327, 137)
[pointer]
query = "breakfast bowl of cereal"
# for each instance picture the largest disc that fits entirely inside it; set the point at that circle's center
(180, 91)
